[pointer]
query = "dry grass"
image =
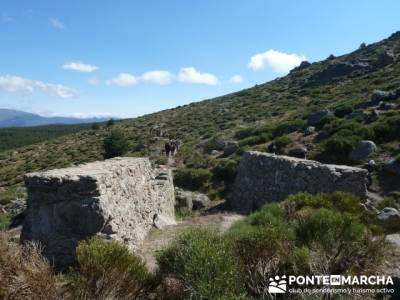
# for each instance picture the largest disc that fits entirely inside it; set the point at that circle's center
(24, 272)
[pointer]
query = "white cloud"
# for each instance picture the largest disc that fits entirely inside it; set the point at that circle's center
(123, 79)
(94, 81)
(157, 77)
(160, 77)
(278, 61)
(236, 79)
(10, 83)
(5, 18)
(80, 67)
(56, 23)
(191, 75)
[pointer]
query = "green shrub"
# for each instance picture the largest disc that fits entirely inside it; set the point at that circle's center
(206, 264)
(391, 200)
(115, 144)
(4, 221)
(226, 169)
(340, 145)
(108, 270)
(289, 127)
(343, 110)
(244, 133)
(253, 140)
(192, 178)
(387, 129)
(307, 234)
(282, 142)
(10, 194)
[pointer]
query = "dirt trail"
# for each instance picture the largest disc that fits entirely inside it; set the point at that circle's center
(158, 239)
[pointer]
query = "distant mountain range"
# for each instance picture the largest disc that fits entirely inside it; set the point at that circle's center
(16, 118)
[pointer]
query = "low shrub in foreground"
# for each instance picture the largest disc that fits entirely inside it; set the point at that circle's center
(108, 270)
(24, 272)
(306, 234)
(205, 263)
(303, 235)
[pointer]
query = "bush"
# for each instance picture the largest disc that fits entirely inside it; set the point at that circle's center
(289, 127)
(4, 221)
(307, 234)
(282, 142)
(387, 129)
(226, 170)
(24, 272)
(340, 145)
(391, 200)
(115, 144)
(253, 140)
(343, 110)
(206, 264)
(108, 270)
(192, 179)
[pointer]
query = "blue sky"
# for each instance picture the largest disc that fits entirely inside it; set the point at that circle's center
(127, 58)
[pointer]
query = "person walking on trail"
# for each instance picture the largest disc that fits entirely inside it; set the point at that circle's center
(167, 148)
(173, 148)
(370, 167)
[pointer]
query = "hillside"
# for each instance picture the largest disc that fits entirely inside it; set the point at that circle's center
(275, 111)
(16, 118)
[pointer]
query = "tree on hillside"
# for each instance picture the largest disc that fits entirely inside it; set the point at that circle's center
(110, 123)
(115, 144)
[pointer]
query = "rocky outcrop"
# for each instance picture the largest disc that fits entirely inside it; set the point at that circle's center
(316, 118)
(363, 150)
(389, 218)
(118, 199)
(393, 166)
(188, 200)
(299, 151)
(264, 177)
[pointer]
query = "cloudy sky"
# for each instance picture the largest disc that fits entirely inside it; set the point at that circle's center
(127, 58)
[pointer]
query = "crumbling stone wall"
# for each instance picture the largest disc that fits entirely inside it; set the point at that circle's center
(117, 199)
(264, 177)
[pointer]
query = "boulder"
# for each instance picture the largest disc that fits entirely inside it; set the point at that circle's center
(339, 69)
(389, 218)
(383, 59)
(230, 148)
(362, 151)
(183, 199)
(374, 115)
(189, 200)
(309, 130)
(118, 199)
(264, 177)
(383, 95)
(304, 64)
(299, 151)
(316, 118)
(359, 115)
(387, 106)
(393, 166)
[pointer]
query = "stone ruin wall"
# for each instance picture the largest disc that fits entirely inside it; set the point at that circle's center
(264, 177)
(117, 199)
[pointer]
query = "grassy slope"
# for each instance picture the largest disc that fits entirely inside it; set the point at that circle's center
(272, 103)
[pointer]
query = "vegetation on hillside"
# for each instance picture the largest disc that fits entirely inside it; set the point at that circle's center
(305, 234)
(276, 111)
(12, 138)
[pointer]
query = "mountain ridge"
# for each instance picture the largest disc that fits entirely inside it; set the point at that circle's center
(17, 118)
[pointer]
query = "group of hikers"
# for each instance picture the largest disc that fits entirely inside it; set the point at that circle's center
(171, 147)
